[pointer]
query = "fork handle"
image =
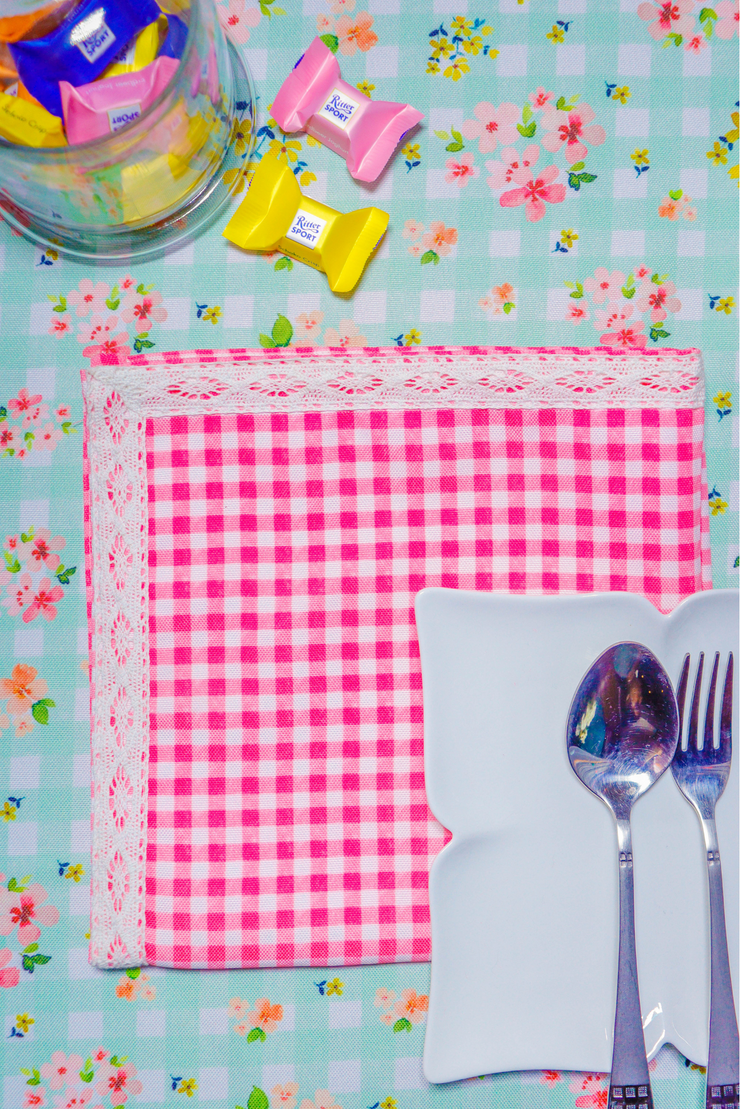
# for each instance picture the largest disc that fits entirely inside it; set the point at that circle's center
(629, 1085)
(723, 1064)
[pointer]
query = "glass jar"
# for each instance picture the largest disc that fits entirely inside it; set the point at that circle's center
(157, 179)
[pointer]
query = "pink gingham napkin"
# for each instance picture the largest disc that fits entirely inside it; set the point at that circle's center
(258, 525)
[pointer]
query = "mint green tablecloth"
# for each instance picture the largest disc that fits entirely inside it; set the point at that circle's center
(657, 196)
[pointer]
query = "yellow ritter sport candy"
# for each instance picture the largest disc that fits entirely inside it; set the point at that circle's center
(275, 215)
(29, 124)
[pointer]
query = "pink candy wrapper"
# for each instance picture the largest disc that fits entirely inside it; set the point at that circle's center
(102, 107)
(314, 98)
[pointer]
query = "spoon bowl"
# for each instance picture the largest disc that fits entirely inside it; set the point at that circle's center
(622, 726)
(622, 734)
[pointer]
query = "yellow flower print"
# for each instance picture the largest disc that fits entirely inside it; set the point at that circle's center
(641, 157)
(622, 94)
(718, 156)
(568, 237)
(441, 48)
(240, 135)
(461, 25)
(411, 151)
(432, 67)
(334, 987)
(366, 88)
(75, 872)
(726, 304)
(287, 150)
(212, 314)
(733, 135)
(8, 812)
(723, 400)
(557, 34)
(311, 141)
(389, 1103)
(456, 69)
(717, 505)
(734, 173)
(23, 1022)
(413, 337)
(189, 1086)
(473, 45)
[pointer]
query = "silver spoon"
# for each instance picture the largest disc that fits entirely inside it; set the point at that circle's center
(622, 734)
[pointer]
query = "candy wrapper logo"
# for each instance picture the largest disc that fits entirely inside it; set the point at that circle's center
(97, 42)
(119, 117)
(306, 229)
(338, 109)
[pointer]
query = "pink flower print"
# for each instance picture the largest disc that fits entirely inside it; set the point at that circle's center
(613, 317)
(412, 229)
(4, 721)
(658, 300)
(9, 437)
(61, 1070)
(63, 412)
(127, 283)
(96, 329)
(284, 1096)
(44, 602)
(412, 1006)
(324, 24)
(60, 325)
(34, 1098)
(19, 595)
(145, 311)
(22, 689)
(24, 726)
(99, 1055)
(492, 125)
(324, 1100)
(26, 910)
(236, 19)
(534, 192)
(461, 171)
(88, 297)
(9, 976)
(238, 1008)
(20, 404)
(669, 208)
(695, 44)
(551, 1078)
(384, 997)
(112, 352)
(347, 336)
(439, 238)
(35, 415)
(340, 6)
(641, 272)
(47, 439)
(502, 173)
(388, 1018)
(728, 23)
(604, 285)
(416, 250)
(264, 1015)
(669, 17)
(627, 336)
(354, 33)
(577, 311)
(540, 98)
(73, 1098)
(119, 1082)
(40, 551)
(572, 129)
(308, 328)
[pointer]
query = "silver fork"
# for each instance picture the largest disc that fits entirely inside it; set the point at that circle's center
(701, 775)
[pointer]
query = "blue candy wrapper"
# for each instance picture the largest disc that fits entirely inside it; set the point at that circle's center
(81, 47)
(174, 43)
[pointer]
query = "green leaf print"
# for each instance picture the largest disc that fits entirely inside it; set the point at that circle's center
(256, 1034)
(258, 1099)
(282, 331)
(430, 256)
(40, 710)
(331, 41)
(402, 1025)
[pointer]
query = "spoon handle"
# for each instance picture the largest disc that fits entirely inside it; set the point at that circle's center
(630, 1083)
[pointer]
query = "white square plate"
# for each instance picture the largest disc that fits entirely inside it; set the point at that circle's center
(524, 898)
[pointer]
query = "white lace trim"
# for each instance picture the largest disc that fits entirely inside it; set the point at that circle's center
(118, 401)
(469, 377)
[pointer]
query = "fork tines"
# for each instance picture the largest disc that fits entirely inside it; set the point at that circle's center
(723, 752)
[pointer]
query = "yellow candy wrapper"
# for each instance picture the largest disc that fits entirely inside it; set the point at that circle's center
(275, 215)
(29, 124)
(139, 53)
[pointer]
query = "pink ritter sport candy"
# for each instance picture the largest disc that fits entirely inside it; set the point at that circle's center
(364, 132)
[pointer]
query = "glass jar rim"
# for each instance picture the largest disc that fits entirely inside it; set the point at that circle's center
(41, 154)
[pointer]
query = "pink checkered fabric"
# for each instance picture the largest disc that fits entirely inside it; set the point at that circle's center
(288, 821)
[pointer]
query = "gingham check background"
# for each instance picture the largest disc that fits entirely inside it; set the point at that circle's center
(288, 822)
